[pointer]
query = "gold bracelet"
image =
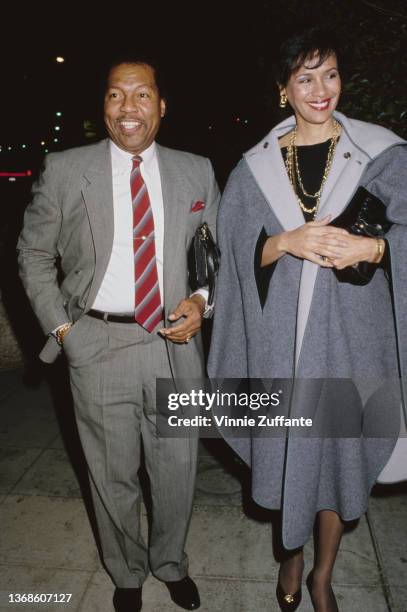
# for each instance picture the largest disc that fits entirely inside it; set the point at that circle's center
(379, 250)
(61, 332)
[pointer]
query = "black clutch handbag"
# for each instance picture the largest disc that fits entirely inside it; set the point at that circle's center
(203, 261)
(365, 215)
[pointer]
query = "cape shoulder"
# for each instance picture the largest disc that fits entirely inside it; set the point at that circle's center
(239, 189)
(370, 138)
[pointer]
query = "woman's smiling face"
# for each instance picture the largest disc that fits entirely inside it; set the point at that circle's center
(313, 91)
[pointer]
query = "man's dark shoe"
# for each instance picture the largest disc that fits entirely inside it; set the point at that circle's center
(127, 600)
(184, 593)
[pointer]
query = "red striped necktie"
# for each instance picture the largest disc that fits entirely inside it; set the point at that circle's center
(148, 310)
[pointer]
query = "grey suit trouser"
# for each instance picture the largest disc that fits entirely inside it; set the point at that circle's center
(113, 367)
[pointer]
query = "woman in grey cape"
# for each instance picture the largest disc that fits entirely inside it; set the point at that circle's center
(283, 312)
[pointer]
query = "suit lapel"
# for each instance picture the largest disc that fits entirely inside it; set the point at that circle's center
(97, 194)
(174, 219)
(267, 166)
(347, 168)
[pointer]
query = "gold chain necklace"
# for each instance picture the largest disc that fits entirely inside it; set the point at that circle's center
(293, 169)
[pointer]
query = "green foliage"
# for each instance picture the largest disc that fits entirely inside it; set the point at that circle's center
(374, 34)
(377, 89)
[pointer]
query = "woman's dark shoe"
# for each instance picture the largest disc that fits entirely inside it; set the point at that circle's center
(288, 602)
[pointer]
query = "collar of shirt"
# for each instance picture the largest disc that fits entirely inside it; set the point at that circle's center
(122, 161)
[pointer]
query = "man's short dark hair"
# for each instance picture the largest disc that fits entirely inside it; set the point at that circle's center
(317, 41)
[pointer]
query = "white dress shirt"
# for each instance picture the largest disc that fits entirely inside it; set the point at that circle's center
(116, 293)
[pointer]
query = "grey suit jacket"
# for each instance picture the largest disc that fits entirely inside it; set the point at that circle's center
(69, 224)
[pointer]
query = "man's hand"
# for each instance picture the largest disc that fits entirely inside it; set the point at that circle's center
(191, 311)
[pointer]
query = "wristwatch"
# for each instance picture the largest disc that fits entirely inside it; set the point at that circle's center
(61, 332)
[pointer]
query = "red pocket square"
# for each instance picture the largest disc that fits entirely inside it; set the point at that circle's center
(197, 206)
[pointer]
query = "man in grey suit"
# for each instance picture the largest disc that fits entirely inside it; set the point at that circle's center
(119, 217)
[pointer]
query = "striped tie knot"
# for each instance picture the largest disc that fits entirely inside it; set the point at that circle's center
(137, 159)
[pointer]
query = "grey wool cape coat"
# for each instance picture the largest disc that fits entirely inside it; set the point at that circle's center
(312, 327)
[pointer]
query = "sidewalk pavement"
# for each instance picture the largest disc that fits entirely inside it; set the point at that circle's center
(47, 544)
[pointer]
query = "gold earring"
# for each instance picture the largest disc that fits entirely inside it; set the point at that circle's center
(283, 100)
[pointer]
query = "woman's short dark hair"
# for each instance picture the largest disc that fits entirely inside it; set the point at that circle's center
(320, 42)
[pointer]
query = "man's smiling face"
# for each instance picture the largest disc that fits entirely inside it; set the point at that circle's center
(133, 107)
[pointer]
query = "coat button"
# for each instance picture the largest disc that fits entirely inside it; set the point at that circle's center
(266, 144)
(347, 155)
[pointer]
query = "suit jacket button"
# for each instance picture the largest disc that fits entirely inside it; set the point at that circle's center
(347, 155)
(266, 144)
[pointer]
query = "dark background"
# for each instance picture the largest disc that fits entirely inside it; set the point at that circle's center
(217, 58)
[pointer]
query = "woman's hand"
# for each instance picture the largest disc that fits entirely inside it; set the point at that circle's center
(316, 241)
(355, 250)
